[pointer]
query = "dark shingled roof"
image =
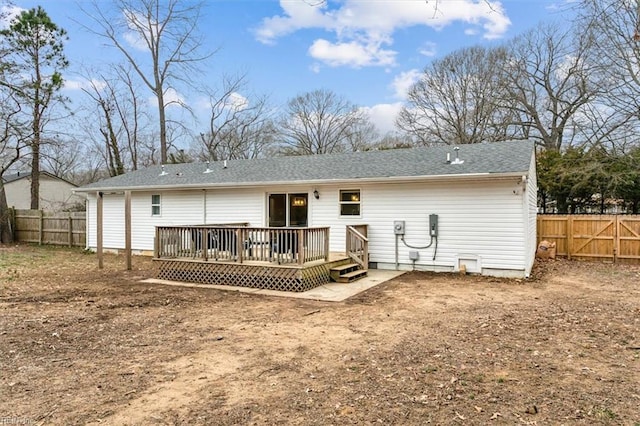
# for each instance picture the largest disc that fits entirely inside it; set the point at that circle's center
(513, 157)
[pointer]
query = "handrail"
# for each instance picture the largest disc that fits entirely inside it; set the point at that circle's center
(357, 245)
(355, 231)
(239, 243)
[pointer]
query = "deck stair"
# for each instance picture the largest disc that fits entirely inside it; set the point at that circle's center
(347, 273)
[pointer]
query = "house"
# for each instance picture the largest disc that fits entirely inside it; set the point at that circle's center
(56, 194)
(440, 208)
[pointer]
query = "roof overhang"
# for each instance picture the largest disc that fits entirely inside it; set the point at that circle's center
(391, 179)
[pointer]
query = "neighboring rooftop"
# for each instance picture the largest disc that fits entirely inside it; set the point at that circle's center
(476, 159)
(22, 175)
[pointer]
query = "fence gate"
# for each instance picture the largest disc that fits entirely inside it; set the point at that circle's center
(628, 249)
(609, 238)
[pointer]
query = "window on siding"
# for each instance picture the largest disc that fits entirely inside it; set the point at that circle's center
(155, 205)
(350, 202)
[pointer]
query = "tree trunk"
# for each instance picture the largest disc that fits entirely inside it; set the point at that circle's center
(163, 127)
(35, 175)
(6, 227)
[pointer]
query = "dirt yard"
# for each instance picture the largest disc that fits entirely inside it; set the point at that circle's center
(80, 345)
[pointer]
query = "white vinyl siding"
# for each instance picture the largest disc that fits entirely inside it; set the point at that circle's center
(178, 208)
(55, 194)
(492, 220)
(112, 224)
(531, 208)
(474, 218)
(236, 205)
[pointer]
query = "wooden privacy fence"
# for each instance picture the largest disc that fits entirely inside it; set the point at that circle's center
(58, 228)
(613, 238)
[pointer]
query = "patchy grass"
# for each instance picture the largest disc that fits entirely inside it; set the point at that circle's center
(82, 345)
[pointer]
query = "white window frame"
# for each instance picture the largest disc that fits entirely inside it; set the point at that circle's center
(358, 202)
(157, 205)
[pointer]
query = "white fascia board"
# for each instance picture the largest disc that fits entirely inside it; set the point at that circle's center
(394, 179)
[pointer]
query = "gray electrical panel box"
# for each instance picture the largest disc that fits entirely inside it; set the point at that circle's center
(433, 225)
(398, 227)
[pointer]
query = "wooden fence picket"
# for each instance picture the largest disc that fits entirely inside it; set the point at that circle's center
(610, 238)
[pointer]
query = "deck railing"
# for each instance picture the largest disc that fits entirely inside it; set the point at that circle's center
(357, 245)
(240, 243)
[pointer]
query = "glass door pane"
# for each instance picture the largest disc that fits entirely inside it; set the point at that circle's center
(298, 209)
(278, 210)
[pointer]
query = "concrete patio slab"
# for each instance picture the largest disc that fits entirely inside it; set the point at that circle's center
(332, 292)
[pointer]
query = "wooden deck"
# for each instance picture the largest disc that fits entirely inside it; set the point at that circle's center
(274, 258)
(254, 274)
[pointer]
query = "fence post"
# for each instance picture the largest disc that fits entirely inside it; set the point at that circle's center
(40, 226)
(569, 236)
(616, 238)
(70, 233)
(12, 224)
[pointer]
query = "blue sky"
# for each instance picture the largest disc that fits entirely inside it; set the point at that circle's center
(368, 51)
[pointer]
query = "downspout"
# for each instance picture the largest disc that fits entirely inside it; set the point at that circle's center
(397, 261)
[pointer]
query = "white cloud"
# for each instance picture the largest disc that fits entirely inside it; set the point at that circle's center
(353, 54)
(137, 27)
(403, 81)
(171, 98)
(428, 49)
(237, 102)
(84, 84)
(364, 29)
(297, 15)
(134, 40)
(383, 116)
(8, 12)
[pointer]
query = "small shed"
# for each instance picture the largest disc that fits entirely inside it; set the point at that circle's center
(439, 208)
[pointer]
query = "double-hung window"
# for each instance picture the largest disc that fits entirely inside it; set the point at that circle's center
(155, 205)
(350, 202)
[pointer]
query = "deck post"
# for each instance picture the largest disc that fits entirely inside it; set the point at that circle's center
(204, 243)
(301, 253)
(127, 228)
(240, 242)
(156, 244)
(326, 244)
(99, 230)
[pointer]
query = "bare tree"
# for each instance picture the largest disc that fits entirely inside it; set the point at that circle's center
(166, 31)
(320, 122)
(12, 144)
(453, 102)
(550, 79)
(239, 127)
(62, 156)
(119, 126)
(103, 94)
(616, 54)
(363, 137)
